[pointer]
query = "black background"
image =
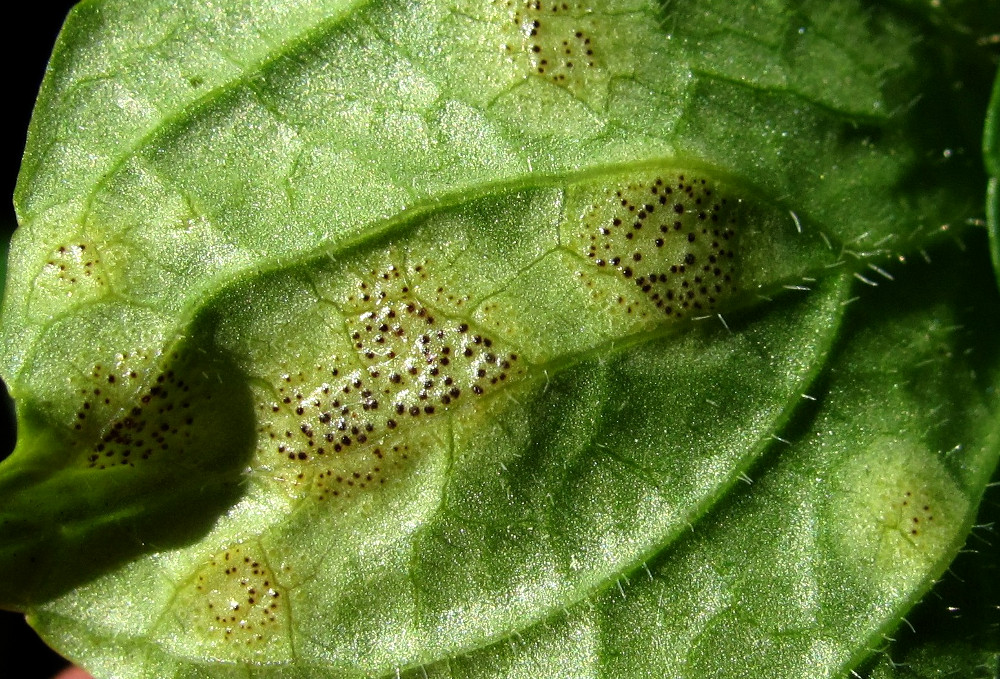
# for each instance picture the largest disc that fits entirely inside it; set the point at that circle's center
(28, 43)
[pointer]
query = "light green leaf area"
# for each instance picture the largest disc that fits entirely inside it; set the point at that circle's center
(493, 339)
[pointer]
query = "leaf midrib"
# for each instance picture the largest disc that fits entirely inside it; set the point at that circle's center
(223, 280)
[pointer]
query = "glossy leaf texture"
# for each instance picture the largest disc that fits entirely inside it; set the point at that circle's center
(611, 338)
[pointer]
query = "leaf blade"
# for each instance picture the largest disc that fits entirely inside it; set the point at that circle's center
(355, 154)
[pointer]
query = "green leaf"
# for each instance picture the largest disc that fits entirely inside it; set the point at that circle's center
(798, 573)
(959, 627)
(496, 339)
(956, 631)
(991, 155)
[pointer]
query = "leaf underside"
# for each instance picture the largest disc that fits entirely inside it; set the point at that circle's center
(503, 339)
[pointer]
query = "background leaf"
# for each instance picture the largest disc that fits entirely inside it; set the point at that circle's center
(955, 630)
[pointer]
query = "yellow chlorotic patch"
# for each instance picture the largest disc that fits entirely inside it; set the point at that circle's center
(558, 42)
(155, 412)
(897, 513)
(74, 269)
(235, 599)
(344, 424)
(670, 235)
(182, 412)
(72, 272)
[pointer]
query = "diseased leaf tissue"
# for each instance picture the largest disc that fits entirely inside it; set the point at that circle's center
(615, 338)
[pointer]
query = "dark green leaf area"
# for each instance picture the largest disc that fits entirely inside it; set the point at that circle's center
(991, 155)
(976, 20)
(991, 132)
(993, 222)
(151, 455)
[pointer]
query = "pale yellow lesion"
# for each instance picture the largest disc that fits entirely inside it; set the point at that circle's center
(73, 271)
(140, 408)
(375, 371)
(232, 606)
(429, 284)
(669, 235)
(898, 513)
(565, 44)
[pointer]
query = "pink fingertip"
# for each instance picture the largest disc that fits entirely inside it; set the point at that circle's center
(73, 673)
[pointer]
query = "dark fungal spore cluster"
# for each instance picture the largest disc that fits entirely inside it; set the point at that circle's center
(75, 263)
(556, 40)
(156, 412)
(71, 271)
(915, 514)
(436, 294)
(347, 422)
(239, 598)
(672, 236)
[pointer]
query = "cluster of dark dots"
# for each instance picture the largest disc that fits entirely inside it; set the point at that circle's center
(555, 51)
(913, 512)
(74, 264)
(346, 419)
(390, 283)
(341, 482)
(673, 238)
(437, 294)
(379, 286)
(160, 418)
(242, 598)
(419, 361)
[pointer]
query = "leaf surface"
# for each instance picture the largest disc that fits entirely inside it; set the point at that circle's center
(495, 339)
(956, 629)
